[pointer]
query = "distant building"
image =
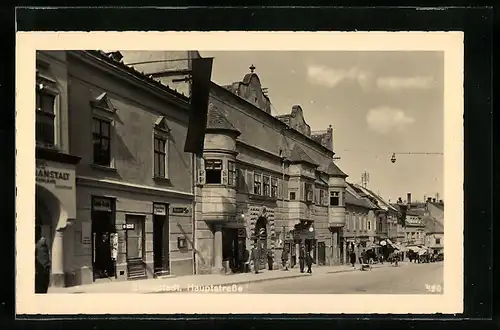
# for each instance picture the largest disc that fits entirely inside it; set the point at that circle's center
(434, 234)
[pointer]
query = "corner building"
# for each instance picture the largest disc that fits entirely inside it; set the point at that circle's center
(114, 187)
(265, 181)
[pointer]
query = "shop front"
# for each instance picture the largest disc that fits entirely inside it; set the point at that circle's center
(55, 209)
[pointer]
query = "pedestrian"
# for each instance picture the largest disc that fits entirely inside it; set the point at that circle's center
(352, 257)
(309, 262)
(284, 258)
(270, 259)
(42, 266)
(255, 259)
(302, 255)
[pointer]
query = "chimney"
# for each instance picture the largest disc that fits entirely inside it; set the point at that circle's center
(408, 199)
(329, 138)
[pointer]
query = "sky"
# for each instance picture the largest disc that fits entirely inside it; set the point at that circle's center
(378, 102)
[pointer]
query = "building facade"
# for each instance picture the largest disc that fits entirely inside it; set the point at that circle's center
(360, 224)
(126, 188)
(265, 181)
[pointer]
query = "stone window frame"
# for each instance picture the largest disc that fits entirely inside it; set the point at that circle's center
(161, 131)
(102, 109)
(264, 179)
(274, 187)
(332, 195)
(46, 83)
(294, 195)
(215, 162)
(257, 184)
(232, 173)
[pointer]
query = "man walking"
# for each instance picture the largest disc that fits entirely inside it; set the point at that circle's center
(302, 255)
(255, 259)
(284, 258)
(270, 259)
(309, 262)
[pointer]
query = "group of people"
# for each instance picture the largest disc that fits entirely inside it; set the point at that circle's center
(305, 259)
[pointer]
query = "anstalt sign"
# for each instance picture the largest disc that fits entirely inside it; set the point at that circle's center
(48, 174)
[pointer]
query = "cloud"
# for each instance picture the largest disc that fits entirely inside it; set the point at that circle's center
(385, 120)
(397, 83)
(325, 76)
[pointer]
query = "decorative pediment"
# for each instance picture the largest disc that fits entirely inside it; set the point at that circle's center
(103, 102)
(162, 125)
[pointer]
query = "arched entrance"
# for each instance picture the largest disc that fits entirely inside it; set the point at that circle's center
(50, 220)
(261, 240)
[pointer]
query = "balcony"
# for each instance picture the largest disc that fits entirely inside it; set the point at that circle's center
(219, 204)
(336, 216)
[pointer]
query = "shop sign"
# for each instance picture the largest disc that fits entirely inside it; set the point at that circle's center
(128, 226)
(101, 204)
(242, 232)
(46, 174)
(180, 210)
(159, 209)
(86, 233)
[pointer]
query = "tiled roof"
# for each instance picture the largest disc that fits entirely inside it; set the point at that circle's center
(332, 169)
(217, 121)
(110, 58)
(432, 225)
(362, 202)
(298, 155)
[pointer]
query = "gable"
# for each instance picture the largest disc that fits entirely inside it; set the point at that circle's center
(298, 122)
(162, 125)
(104, 103)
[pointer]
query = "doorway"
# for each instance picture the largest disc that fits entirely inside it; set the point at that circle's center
(261, 241)
(234, 248)
(161, 232)
(321, 253)
(103, 227)
(134, 240)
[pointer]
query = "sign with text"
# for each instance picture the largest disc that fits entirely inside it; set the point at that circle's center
(51, 175)
(159, 209)
(86, 233)
(128, 226)
(102, 204)
(242, 232)
(180, 210)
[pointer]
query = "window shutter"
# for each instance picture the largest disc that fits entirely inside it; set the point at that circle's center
(302, 191)
(201, 177)
(326, 198)
(224, 176)
(241, 184)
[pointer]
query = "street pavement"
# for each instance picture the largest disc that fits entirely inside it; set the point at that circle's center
(405, 279)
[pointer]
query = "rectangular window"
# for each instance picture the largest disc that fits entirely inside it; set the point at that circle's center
(45, 130)
(213, 171)
(369, 225)
(274, 188)
(160, 157)
(102, 141)
(334, 198)
(438, 241)
(309, 192)
(347, 221)
(231, 173)
(257, 184)
(321, 197)
(266, 186)
(292, 195)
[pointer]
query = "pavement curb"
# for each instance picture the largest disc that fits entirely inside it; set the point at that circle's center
(183, 289)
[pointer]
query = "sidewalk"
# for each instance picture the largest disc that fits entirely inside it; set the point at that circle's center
(184, 283)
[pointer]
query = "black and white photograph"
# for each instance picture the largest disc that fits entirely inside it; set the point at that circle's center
(230, 173)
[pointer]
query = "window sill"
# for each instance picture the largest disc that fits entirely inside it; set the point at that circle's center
(262, 198)
(104, 168)
(162, 180)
